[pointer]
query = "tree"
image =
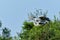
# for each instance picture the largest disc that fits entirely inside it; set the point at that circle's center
(49, 31)
(6, 34)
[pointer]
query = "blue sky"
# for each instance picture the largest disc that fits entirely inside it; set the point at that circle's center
(14, 12)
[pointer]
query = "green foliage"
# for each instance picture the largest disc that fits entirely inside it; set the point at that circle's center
(28, 25)
(49, 31)
(5, 34)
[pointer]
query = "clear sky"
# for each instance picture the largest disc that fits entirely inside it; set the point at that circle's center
(14, 12)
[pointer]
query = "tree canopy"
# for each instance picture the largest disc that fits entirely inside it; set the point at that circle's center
(49, 31)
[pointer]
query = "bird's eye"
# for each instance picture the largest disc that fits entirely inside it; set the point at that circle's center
(37, 20)
(40, 23)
